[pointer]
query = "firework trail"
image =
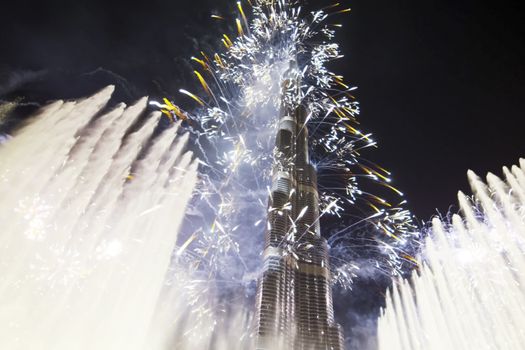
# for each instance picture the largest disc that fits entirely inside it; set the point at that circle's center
(469, 291)
(91, 201)
(233, 132)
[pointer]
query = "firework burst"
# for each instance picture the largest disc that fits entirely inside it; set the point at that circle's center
(242, 89)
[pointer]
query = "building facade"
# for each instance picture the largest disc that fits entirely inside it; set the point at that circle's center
(294, 297)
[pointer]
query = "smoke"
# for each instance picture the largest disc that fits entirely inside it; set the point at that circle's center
(363, 335)
(11, 80)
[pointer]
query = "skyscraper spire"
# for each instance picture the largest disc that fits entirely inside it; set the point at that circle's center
(294, 297)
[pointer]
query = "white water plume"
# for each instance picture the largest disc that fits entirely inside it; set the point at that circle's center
(90, 205)
(470, 291)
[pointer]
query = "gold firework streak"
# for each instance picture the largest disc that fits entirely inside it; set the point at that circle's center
(187, 93)
(203, 83)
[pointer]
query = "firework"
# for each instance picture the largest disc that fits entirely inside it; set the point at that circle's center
(240, 102)
(233, 126)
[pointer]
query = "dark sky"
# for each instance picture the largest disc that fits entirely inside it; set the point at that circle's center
(441, 83)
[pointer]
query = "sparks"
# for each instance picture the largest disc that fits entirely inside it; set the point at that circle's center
(246, 82)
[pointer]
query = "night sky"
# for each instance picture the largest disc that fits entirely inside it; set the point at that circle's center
(441, 83)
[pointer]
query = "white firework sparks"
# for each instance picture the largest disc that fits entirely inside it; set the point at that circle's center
(234, 127)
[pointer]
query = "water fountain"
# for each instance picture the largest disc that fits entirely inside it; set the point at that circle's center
(469, 291)
(91, 201)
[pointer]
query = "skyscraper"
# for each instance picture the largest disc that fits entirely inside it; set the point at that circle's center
(294, 297)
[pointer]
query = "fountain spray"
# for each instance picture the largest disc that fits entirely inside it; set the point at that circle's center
(468, 292)
(91, 203)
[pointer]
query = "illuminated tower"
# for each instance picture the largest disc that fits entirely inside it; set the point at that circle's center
(294, 297)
